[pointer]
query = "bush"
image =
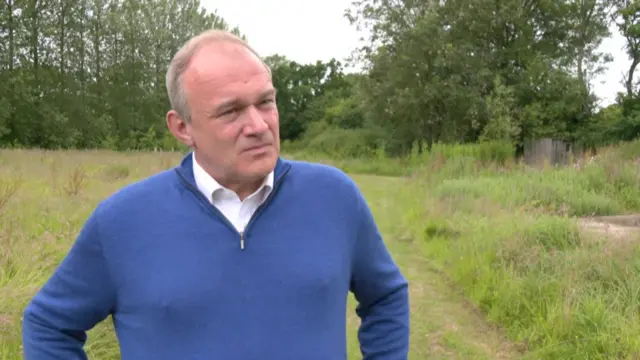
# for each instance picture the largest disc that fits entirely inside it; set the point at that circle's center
(342, 143)
(495, 151)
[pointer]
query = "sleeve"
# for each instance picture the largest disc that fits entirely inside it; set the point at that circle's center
(382, 294)
(76, 297)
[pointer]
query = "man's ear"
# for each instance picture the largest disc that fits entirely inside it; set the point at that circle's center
(179, 128)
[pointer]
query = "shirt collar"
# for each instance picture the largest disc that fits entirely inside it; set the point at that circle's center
(208, 185)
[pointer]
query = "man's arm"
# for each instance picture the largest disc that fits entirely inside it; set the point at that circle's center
(77, 296)
(382, 294)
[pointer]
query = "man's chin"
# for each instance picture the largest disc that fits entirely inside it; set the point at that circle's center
(260, 166)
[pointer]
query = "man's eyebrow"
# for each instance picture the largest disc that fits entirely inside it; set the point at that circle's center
(225, 104)
(269, 92)
(233, 102)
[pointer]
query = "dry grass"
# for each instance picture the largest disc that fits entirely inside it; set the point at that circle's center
(8, 188)
(52, 193)
(492, 252)
(46, 197)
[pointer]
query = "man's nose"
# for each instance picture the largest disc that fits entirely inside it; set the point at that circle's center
(255, 121)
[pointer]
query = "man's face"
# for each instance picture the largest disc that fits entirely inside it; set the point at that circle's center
(234, 119)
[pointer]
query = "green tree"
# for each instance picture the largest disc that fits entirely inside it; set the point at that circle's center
(432, 66)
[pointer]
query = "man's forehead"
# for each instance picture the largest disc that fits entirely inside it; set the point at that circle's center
(238, 78)
(219, 63)
(224, 55)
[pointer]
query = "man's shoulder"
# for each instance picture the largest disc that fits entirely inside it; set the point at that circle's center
(316, 176)
(319, 172)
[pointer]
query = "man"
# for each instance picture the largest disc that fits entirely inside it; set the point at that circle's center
(235, 254)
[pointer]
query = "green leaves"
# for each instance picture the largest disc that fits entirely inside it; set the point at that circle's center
(466, 70)
(81, 72)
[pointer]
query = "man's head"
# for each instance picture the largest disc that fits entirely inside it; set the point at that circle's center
(224, 107)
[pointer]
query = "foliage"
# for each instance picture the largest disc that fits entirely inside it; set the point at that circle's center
(83, 74)
(461, 71)
(306, 92)
(449, 91)
(509, 240)
(89, 74)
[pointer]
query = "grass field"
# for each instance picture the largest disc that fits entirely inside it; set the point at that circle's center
(499, 267)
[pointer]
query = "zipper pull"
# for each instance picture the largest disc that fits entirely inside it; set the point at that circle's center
(242, 240)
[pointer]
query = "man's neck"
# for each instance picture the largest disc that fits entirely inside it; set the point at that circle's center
(242, 188)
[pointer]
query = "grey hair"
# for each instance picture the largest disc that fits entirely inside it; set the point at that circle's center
(182, 59)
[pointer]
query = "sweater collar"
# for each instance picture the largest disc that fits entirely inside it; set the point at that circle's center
(185, 169)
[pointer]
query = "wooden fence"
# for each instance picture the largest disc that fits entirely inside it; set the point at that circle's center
(538, 152)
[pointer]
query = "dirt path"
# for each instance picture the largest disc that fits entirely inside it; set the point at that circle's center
(617, 230)
(444, 324)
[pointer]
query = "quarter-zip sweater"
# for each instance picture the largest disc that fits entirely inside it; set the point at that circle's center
(169, 268)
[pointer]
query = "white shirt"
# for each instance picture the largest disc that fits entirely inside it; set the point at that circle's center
(238, 212)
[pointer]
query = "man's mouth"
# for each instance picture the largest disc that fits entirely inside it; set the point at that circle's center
(256, 147)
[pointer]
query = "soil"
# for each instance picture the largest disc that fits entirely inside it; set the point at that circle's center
(623, 228)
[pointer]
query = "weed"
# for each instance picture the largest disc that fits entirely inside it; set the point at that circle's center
(116, 172)
(8, 188)
(76, 181)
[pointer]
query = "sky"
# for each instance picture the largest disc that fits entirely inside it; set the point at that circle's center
(319, 31)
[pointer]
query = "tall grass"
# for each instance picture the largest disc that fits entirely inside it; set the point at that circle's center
(509, 237)
(376, 161)
(506, 235)
(511, 240)
(45, 197)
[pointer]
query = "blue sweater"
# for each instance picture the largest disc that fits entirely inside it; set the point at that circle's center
(168, 267)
